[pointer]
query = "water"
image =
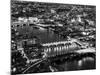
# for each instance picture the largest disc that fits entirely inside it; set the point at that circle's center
(85, 63)
(49, 36)
(45, 35)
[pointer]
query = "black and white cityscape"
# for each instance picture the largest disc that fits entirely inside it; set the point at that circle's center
(52, 37)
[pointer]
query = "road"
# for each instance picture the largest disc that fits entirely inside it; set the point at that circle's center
(87, 50)
(34, 64)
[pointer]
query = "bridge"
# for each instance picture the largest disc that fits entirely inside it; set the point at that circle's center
(63, 47)
(59, 48)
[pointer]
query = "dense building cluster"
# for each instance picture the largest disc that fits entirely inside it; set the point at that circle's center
(35, 23)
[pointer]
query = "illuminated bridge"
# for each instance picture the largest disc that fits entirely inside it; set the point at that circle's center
(63, 47)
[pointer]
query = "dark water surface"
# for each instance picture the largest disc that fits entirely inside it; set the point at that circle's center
(82, 64)
(45, 35)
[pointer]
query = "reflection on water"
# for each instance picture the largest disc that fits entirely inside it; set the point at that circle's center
(80, 63)
(49, 36)
(88, 58)
(83, 64)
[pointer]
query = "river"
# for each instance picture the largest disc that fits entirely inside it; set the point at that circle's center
(46, 36)
(85, 63)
